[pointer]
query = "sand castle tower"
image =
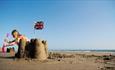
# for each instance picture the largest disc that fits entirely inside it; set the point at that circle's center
(46, 47)
(37, 49)
(41, 52)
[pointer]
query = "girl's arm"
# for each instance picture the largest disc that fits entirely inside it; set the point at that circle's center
(10, 43)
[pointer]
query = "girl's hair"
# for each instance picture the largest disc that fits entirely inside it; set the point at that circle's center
(13, 31)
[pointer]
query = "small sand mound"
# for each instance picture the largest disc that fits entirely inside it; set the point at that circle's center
(59, 55)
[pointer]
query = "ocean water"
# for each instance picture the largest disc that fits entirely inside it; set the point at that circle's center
(86, 50)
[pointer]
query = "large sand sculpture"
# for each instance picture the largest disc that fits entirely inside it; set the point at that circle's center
(37, 49)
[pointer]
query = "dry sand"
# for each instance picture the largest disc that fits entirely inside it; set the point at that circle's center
(62, 61)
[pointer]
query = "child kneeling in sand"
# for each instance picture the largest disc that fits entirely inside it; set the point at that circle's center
(21, 41)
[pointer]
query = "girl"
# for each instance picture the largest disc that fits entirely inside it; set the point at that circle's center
(21, 41)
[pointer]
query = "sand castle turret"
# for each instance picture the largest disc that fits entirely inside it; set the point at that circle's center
(41, 53)
(38, 49)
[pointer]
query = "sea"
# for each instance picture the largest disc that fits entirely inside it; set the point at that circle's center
(97, 51)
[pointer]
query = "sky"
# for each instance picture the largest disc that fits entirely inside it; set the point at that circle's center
(68, 24)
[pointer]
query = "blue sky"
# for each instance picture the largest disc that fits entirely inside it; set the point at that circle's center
(71, 24)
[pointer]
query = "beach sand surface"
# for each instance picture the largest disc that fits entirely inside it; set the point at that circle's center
(57, 61)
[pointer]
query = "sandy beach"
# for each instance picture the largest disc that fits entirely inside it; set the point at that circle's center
(62, 61)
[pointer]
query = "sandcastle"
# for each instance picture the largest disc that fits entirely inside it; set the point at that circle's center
(41, 53)
(37, 49)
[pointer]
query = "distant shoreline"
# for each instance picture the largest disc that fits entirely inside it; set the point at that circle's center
(86, 50)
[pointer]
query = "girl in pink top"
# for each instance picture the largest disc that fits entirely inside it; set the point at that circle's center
(21, 41)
